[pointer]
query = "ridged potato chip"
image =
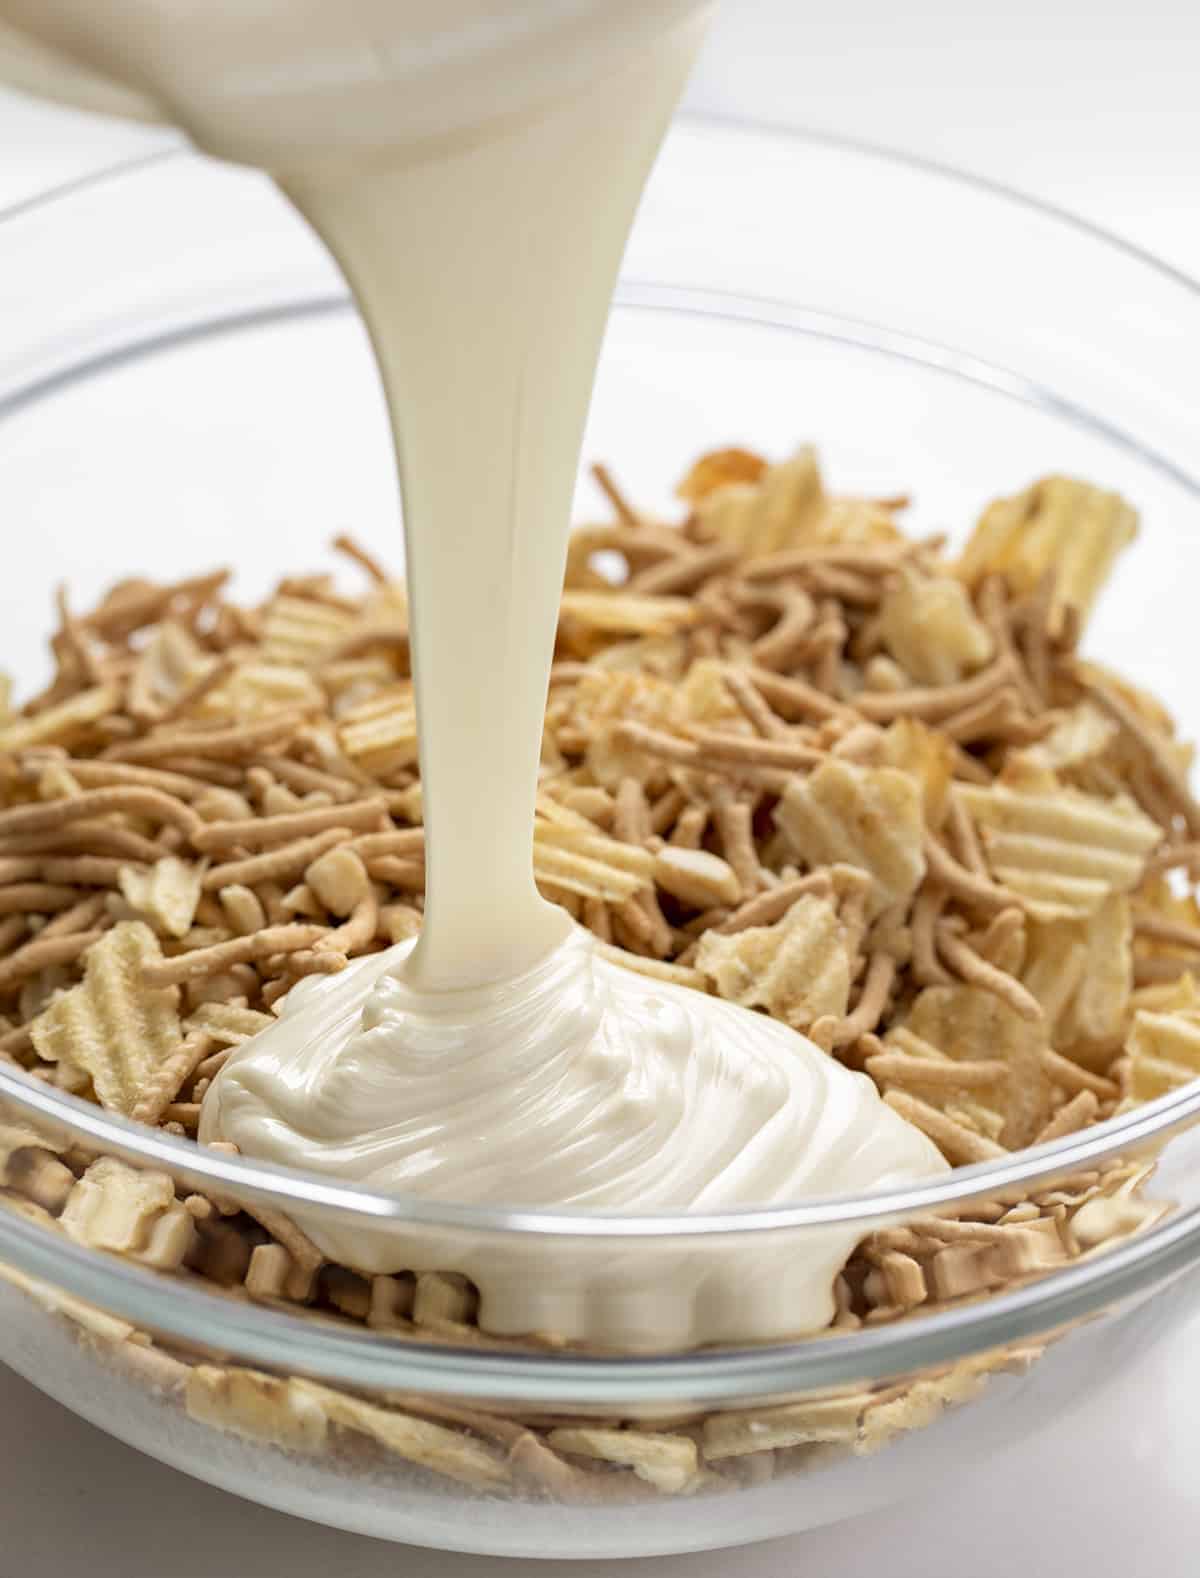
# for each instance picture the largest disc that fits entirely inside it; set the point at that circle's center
(1164, 1045)
(928, 625)
(604, 699)
(784, 506)
(1061, 849)
(380, 733)
(622, 613)
(914, 748)
(869, 817)
(968, 1024)
(1081, 972)
(166, 894)
(112, 1026)
(604, 695)
(797, 969)
(1059, 524)
(587, 862)
(253, 690)
(300, 631)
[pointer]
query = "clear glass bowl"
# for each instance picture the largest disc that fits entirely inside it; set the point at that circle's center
(183, 383)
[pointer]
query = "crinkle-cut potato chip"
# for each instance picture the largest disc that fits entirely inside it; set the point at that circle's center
(797, 969)
(927, 755)
(603, 696)
(256, 1406)
(1063, 850)
(629, 613)
(717, 469)
(564, 871)
(609, 758)
(1081, 972)
(166, 894)
(601, 702)
(928, 625)
(784, 506)
(969, 1024)
(870, 817)
(115, 1208)
(298, 630)
(113, 1026)
(587, 862)
(256, 689)
(345, 680)
(670, 1463)
(1081, 735)
(1164, 1046)
(61, 723)
(1061, 525)
(615, 698)
(380, 734)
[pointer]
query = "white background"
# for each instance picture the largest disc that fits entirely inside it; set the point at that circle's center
(1096, 108)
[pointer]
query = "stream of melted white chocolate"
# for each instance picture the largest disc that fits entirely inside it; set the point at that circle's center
(474, 165)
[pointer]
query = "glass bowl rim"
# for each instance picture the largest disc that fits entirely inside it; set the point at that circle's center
(1067, 1294)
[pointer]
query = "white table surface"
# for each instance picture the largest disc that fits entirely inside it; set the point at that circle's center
(1091, 106)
